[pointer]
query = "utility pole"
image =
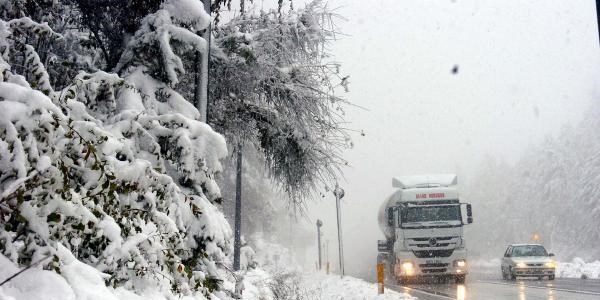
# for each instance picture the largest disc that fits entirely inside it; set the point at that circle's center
(291, 237)
(598, 17)
(327, 256)
(339, 194)
(238, 211)
(319, 224)
(201, 76)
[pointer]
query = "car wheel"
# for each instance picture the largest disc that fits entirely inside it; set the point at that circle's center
(459, 279)
(504, 277)
(551, 277)
(511, 275)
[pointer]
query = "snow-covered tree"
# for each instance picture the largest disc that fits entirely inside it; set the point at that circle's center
(113, 170)
(552, 191)
(273, 88)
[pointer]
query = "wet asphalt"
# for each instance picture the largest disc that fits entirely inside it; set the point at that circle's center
(489, 286)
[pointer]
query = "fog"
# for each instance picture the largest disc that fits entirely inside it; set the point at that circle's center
(444, 84)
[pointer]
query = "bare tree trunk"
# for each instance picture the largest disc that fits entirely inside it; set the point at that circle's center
(201, 74)
(238, 211)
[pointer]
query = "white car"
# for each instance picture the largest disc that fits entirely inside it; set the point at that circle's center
(530, 260)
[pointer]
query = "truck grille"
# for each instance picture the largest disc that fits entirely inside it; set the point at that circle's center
(440, 238)
(433, 243)
(428, 246)
(433, 253)
(434, 270)
(437, 265)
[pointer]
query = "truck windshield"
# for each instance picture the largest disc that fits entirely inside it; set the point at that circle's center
(430, 214)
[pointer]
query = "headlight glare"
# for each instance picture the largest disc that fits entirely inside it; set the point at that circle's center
(461, 263)
(550, 264)
(407, 266)
(521, 265)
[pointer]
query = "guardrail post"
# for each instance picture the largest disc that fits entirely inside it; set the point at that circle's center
(380, 278)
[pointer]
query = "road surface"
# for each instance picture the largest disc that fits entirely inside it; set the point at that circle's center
(480, 286)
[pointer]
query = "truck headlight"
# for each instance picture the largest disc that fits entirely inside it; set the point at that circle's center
(407, 267)
(521, 265)
(461, 263)
(550, 264)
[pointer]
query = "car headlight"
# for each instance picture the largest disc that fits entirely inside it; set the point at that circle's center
(461, 263)
(521, 265)
(550, 264)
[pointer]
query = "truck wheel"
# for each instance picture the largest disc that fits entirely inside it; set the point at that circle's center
(551, 277)
(459, 279)
(401, 280)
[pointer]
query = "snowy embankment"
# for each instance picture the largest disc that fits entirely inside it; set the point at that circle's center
(313, 286)
(322, 286)
(577, 268)
(79, 281)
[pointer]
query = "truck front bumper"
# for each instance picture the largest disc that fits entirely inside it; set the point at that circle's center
(408, 265)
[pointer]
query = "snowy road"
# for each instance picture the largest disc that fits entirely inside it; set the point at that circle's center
(485, 286)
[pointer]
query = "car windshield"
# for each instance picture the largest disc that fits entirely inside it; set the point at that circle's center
(529, 250)
(430, 214)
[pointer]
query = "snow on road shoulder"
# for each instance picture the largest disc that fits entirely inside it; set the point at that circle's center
(321, 286)
(578, 268)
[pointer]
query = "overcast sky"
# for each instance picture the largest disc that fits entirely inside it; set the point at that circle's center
(525, 69)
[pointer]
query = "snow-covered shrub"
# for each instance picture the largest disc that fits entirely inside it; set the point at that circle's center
(116, 170)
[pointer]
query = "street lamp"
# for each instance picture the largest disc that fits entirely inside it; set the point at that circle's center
(319, 224)
(338, 192)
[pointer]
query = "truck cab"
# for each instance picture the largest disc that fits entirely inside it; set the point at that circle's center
(425, 219)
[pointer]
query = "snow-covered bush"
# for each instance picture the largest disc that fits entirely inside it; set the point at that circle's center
(114, 171)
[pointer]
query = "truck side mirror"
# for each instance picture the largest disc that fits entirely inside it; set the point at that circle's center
(390, 216)
(551, 254)
(384, 246)
(469, 214)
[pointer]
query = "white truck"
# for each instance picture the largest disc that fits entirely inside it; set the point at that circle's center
(423, 224)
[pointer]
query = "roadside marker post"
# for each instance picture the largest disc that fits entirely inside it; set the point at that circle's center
(380, 278)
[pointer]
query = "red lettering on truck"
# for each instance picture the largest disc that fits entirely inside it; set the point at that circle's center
(430, 196)
(437, 195)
